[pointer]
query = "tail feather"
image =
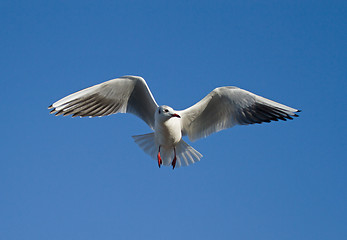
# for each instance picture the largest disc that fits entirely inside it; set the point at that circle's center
(185, 154)
(147, 143)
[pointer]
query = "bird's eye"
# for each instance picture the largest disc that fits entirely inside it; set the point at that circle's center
(166, 110)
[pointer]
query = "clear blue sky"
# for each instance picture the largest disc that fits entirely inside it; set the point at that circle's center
(79, 178)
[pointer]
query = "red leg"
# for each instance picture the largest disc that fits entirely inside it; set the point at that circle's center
(174, 160)
(160, 162)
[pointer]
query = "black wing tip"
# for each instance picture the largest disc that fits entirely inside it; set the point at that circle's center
(297, 111)
(282, 118)
(51, 106)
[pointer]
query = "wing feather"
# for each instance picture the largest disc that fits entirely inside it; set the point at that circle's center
(226, 107)
(128, 94)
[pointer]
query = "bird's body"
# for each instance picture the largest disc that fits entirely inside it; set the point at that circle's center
(167, 131)
(222, 108)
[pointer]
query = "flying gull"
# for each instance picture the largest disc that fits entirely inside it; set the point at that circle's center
(222, 108)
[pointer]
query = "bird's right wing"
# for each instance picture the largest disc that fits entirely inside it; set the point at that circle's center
(225, 107)
(128, 94)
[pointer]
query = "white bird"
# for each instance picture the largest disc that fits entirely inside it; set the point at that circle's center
(222, 108)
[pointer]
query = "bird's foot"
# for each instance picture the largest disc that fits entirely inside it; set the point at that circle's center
(160, 162)
(173, 163)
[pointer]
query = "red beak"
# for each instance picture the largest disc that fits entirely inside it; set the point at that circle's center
(175, 115)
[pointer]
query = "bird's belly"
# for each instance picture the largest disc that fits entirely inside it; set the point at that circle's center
(168, 135)
(167, 138)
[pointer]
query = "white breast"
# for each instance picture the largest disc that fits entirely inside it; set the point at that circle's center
(168, 133)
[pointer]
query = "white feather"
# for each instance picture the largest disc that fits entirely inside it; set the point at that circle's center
(226, 107)
(185, 154)
(128, 94)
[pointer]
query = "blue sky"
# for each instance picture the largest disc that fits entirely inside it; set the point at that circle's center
(80, 178)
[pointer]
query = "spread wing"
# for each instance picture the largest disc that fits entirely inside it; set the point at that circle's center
(226, 107)
(128, 94)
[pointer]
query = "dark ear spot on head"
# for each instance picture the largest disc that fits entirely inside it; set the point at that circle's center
(159, 111)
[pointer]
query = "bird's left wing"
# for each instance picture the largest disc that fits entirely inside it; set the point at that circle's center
(128, 94)
(226, 107)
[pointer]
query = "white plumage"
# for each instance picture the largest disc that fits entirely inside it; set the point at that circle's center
(222, 108)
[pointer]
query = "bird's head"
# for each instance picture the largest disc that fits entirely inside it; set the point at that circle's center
(164, 113)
